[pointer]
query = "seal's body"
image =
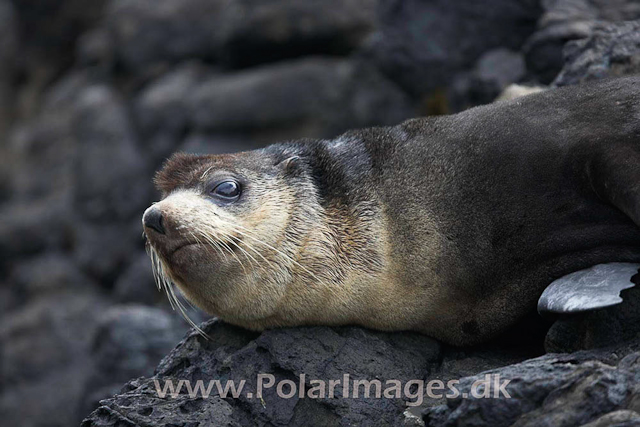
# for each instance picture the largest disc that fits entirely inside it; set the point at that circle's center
(452, 226)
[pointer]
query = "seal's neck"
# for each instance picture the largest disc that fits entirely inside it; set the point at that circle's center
(340, 260)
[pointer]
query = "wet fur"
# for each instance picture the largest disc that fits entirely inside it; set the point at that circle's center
(451, 226)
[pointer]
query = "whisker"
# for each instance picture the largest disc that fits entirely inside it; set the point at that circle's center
(164, 283)
(225, 246)
(205, 173)
(185, 316)
(248, 246)
(237, 245)
(274, 249)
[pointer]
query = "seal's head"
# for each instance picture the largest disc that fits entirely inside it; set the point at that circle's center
(225, 230)
(258, 239)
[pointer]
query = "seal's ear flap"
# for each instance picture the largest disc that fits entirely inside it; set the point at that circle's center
(289, 164)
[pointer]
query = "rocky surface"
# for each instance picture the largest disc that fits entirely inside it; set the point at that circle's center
(492, 74)
(611, 50)
(128, 342)
(422, 45)
(8, 55)
(318, 353)
(600, 328)
(567, 20)
(94, 96)
(234, 33)
(554, 389)
(597, 387)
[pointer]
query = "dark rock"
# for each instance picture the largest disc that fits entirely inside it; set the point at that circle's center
(160, 109)
(95, 49)
(136, 284)
(9, 47)
(109, 159)
(89, 165)
(129, 342)
(522, 341)
(46, 144)
(500, 67)
(104, 251)
(9, 299)
(236, 33)
(256, 32)
(566, 20)
(557, 11)
(236, 354)
(48, 32)
(616, 418)
(220, 143)
(50, 27)
(47, 333)
(28, 228)
(598, 328)
(45, 358)
(552, 390)
(10, 39)
(457, 363)
(46, 401)
(305, 98)
(310, 97)
(422, 45)
(33, 146)
(146, 32)
(611, 50)
(494, 71)
(45, 274)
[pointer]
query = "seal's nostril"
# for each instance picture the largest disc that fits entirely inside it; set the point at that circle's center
(153, 219)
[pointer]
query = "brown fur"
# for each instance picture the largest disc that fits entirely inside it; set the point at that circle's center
(450, 226)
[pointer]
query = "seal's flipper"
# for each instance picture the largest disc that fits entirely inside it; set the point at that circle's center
(584, 290)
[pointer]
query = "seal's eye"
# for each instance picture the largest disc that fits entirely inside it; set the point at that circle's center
(227, 190)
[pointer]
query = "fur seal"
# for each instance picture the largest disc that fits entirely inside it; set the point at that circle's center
(452, 226)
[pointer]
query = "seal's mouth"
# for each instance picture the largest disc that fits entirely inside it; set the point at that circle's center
(168, 247)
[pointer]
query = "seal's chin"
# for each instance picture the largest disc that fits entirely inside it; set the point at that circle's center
(207, 278)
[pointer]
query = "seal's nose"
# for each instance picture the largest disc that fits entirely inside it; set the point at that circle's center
(153, 219)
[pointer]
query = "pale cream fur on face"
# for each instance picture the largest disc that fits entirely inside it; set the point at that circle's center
(232, 241)
(285, 269)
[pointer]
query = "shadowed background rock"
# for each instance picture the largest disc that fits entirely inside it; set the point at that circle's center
(94, 95)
